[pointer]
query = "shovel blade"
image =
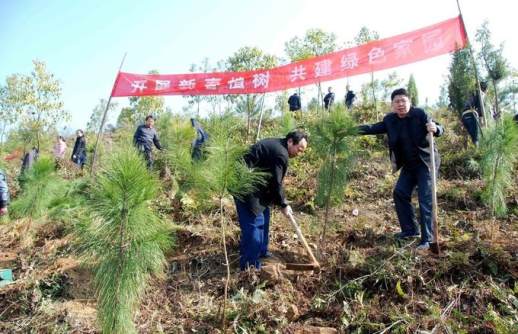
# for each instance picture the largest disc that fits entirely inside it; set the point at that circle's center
(303, 267)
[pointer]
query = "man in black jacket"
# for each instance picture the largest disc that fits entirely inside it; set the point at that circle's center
(407, 128)
(472, 113)
(349, 98)
(329, 99)
(270, 156)
(79, 151)
(145, 137)
(294, 102)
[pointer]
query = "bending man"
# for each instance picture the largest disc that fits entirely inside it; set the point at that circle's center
(270, 156)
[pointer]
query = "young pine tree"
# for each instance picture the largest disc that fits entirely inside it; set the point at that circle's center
(499, 156)
(123, 239)
(333, 143)
(40, 186)
(225, 173)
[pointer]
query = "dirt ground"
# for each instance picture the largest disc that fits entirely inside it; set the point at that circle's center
(369, 282)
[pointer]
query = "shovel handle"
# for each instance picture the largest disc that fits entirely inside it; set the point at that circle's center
(434, 191)
(302, 239)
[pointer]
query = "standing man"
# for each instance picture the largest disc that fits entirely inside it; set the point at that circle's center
(294, 102)
(329, 98)
(407, 128)
(4, 193)
(79, 151)
(270, 156)
(349, 98)
(29, 159)
(197, 143)
(472, 113)
(144, 138)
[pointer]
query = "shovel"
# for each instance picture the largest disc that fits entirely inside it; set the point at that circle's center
(434, 246)
(314, 266)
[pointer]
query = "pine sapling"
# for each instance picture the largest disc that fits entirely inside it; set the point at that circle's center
(499, 156)
(122, 238)
(333, 143)
(225, 173)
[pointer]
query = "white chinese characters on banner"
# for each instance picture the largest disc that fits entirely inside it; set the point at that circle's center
(212, 83)
(187, 84)
(377, 56)
(162, 84)
(139, 85)
(298, 73)
(323, 68)
(403, 48)
(236, 83)
(432, 41)
(261, 80)
(349, 61)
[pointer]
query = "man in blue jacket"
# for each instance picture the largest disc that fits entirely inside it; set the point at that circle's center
(144, 139)
(407, 128)
(4, 193)
(201, 138)
(270, 156)
(294, 102)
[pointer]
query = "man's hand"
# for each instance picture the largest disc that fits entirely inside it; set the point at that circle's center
(431, 127)
(3, 211)
(287, 211)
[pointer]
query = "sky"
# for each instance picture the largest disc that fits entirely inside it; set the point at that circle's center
(83, 42)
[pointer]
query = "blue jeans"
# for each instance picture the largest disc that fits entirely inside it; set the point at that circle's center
(409, 178)
(254, 235)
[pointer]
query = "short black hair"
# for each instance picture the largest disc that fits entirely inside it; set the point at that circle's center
(296, 136)
(483, 86)
(399, 91)
(149, 117)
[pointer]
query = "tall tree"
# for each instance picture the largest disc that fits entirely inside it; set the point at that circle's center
(461, 80)
(248, 59)
(97, 113)
(412, 90)
(35, 99)
(315, 42)
(365, 35)
(146, 105)
(125, 118)
(7, 114)
(196, 100)
(494, 62)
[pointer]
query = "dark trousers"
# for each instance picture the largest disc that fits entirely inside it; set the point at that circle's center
(147, 153)
(254, 235)
(80, 160)
(470, 122)
(409, 178)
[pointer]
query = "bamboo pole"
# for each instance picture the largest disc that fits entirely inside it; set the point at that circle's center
(103, 120)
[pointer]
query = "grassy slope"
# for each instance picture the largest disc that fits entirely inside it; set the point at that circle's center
(368, 283)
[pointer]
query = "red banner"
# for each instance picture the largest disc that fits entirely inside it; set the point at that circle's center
(377, 55)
